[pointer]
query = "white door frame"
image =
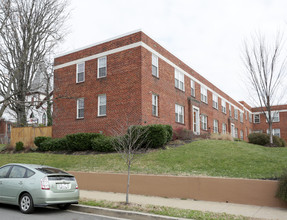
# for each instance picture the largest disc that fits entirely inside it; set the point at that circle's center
(232, 129)
(197, 121)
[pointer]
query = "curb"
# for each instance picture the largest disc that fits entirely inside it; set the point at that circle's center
(120, 213)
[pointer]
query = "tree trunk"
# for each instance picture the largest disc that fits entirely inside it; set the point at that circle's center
(128, 184)
(49, 113)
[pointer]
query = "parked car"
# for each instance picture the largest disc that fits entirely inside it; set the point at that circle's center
(30, 185)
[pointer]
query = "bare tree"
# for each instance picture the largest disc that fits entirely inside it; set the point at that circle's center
(265, 66)
(130, 143)
(31, 31)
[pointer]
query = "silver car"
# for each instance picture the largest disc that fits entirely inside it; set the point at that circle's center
(30, 185)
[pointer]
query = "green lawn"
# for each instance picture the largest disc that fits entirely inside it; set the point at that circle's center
(205, 157)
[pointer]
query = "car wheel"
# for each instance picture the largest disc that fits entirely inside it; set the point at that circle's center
(26, 203)
(64, 206)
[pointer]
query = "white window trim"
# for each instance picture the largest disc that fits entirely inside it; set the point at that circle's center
(192, 88)
(258, 119)
(99, 97)
(236, 113)
(180, 79)
(98, 69)
(156, 104)
(215, 125)
(78, 100)
(204, 123)
(177, 107)
(156, 65)
(223, 106)
(215, 101)
(273, 131)
(203, 94)
(77, 73)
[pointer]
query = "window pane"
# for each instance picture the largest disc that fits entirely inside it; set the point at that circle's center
(17, 172)
(102, 72)
(154, 70)
(81, 67)
(4, 171)
(102, 62)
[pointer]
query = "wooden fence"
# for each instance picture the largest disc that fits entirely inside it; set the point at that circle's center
(28, 134)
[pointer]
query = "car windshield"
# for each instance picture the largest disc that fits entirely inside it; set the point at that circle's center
(49, 170)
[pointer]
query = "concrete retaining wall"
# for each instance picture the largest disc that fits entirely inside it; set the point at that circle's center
(242, 191)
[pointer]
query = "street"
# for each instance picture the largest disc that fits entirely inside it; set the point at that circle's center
(12, 213)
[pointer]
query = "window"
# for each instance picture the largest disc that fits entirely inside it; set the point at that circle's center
(154, 65)
(179, 80)
(230, 112)
(215, 101)
(80, 72)
(102, 105)
(44, 119)
(192, 86)
(274, 116)
(9, 128)
(223, 128)
(102, 67)
(246, 115)
(4, 171)
(241, 116)
(250, 117)
(235, 113)
(275, 132)
(256, 118)
(204, 122)
(259, 131)
(215, 126)
(80, 108)
(154, 105)
(236, 132)
(17, 172)
(203, 92)
(179, 113)
(223, 106)
(241, 134)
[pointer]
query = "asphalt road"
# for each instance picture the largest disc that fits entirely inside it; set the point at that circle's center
(8, 212)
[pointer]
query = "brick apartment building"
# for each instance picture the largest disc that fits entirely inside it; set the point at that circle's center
(132, 75)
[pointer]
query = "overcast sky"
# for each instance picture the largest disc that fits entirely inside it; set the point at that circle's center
(205, 34)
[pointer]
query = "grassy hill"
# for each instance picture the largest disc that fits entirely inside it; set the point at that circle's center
(204, 157)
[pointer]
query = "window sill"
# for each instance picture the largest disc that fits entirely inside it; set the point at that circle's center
(204, 102)
(101, 116)
(156, 116)
(179, 123)
(80, 118)
(179, 89)
(80, 82)
(103, 77)
(156, 77)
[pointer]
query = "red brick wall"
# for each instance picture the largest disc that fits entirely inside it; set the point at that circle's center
(129, 86)
(282, 124)
(121, 86)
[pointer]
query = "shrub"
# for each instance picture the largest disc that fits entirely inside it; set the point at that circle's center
(182, 134)
(39, 140)
(216, 136)
(157, 135)
(19, 146)
(278, 142)
(81, 141)
(55, 144)
(258, 138)
(169, 132)
(282, 187)
(103, 144)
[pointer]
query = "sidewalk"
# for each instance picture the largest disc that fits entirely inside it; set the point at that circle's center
(259, 212)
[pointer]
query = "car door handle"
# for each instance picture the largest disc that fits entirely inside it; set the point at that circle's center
(20, 183)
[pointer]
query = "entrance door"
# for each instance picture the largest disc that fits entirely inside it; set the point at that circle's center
(232, 130)
(196, 121)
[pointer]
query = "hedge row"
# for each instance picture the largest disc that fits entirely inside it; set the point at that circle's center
(155, 136)
(263, 139)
